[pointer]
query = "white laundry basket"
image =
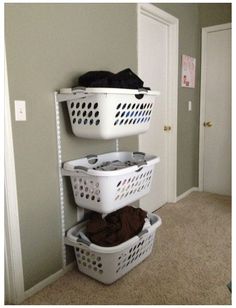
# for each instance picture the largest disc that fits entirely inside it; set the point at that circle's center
(107, 113)
(107, 264)
(107, 191)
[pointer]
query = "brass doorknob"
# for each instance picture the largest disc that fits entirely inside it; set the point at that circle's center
(208, 124)
(167, 128)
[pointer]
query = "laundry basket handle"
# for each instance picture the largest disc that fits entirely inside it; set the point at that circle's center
(82, 240)
(142, 233)
(139, 153)
(92, 158)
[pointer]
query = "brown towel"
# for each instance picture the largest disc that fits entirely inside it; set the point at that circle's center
(116, 227)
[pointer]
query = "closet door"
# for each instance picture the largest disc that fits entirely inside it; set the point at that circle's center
(154, 54)
(216, 121)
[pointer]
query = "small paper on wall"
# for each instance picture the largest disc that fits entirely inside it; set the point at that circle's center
(188, 71)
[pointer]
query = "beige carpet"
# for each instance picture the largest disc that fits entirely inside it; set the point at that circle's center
(190, 263)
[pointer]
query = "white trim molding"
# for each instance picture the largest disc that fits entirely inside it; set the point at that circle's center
(205, 32)
(172, 101)
(13, 255)
(186, 193)
(44, 283)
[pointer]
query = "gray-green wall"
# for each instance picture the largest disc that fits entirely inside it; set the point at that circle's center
(211, 14)
(48, 46)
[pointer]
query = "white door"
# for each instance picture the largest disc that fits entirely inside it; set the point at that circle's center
(153, 63)
(217, 119)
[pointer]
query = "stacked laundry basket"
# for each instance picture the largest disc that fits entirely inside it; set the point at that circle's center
(107, 182)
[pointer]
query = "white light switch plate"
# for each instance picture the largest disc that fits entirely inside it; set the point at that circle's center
(189, 105)
(20, 111)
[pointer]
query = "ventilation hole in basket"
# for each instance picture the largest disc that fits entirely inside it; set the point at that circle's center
(98, 200)
(72, 105)
(118, 107)
(99, 265)
(89, 105)
(124, 182)
(82, 251)
(84, 114)
(133, 107)
(97, 122)
(118, 270)
(127, 114)
(123, 113)
(87, 196)
(118, 113)
(116, 122)
(77, 105)
(91, 122)
(79, 121)
(118, 184)
(130, 121)
(93, 198)
(73, 113)
(95, 106)
(90, 114)
(126, 121)
(81, 195)
(96, 114)
(121, 122)
(123, 107)
(134, 121)
(130, 250)
(74, 120)
(85, 121)
(136, 113)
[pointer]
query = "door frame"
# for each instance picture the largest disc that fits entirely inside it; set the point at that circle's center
(14, 288)
(205, 32)
(172, 22)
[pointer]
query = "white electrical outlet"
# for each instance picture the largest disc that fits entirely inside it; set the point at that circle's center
(20, 111)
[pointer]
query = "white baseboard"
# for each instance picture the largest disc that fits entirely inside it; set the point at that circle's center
(42, 284)
(186, 193)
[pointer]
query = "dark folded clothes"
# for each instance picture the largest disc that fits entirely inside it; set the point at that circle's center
(117, 227)
(124, 79)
